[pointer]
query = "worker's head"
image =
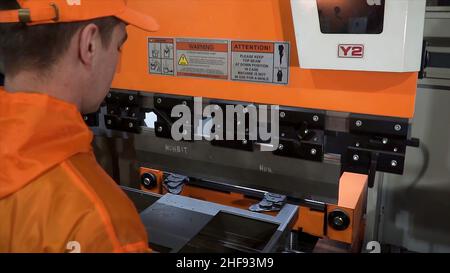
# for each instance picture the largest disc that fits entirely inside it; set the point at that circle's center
(79, 54)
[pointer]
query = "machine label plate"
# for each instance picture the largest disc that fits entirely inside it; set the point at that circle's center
(247, 61)
(202, 58)
(161, 56)
(266, 62)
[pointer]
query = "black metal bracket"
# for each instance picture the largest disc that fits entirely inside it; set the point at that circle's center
(124, 112)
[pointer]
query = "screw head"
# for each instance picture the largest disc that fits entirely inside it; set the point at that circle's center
(313, 151)
(160, 129)
(315, 118)
(184, 103)
(147, 181)
(244, 142)
(385, 141)
(86, 118)
(395, 149)
(394, 163)
(158, 100)
(355, 157)
(358, 123)
(109, 122)
(282, 114)
(357, 144)
(131, 125)
(338, 221)
(131, 97)
(109, 95)
(283, 134)
(280, 147)
(397, 127)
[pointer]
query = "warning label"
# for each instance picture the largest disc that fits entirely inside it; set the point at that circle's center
(202, 58)
(266, 62)
(161, 56)
(249, 61)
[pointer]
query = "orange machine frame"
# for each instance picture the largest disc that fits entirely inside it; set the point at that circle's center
(376, 93)
(351, 200)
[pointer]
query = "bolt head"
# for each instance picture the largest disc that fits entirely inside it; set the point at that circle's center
(244, 142)
(160, 129)
(109, 122)
(158, 100)
(313, 151)
(397, 127)
(282, 114)
(338, 221)
(357, 144)
(86, 118)
(147, 181)
(184, 103)
(280, 147)
(315, 118)
(109, 95)
(355, 157)
(385, 141)
(358, 123)
(131, 125)
(395, 149)
(394, 163)
(131, 97)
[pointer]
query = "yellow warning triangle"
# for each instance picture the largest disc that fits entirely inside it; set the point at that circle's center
(183, 60)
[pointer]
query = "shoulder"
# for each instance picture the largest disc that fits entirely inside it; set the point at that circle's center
(103, 212)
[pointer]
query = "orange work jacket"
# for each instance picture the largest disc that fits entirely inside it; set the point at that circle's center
(54, 196)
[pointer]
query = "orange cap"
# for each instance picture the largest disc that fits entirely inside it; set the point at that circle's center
(35, 12)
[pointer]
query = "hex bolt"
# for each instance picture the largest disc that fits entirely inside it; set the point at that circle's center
(147, 181)
(282, 114)
(394, 163)
(358, 123)
(397, 127)
(355, 157)
(315, 118)
(338, 221)
(313, 151)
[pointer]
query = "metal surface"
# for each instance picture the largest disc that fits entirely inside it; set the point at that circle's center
(182, 224)
(259, 170)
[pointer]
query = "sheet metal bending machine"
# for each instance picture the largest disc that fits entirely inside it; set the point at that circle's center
(344, 81)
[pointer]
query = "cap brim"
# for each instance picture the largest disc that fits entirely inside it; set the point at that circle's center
(138, 19)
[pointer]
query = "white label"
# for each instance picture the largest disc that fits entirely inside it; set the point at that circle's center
(202, 58)
(266, 62)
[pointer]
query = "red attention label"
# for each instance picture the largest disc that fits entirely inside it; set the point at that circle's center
(351, 51)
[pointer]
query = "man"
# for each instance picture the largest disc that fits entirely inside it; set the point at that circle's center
(59, 58)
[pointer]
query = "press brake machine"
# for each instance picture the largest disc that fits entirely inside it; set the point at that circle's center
(345, 83)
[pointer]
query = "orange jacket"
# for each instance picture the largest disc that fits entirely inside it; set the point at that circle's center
(54, 197)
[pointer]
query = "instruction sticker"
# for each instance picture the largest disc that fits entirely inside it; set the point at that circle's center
(161, 56)
(202, 58)
(266, 62)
